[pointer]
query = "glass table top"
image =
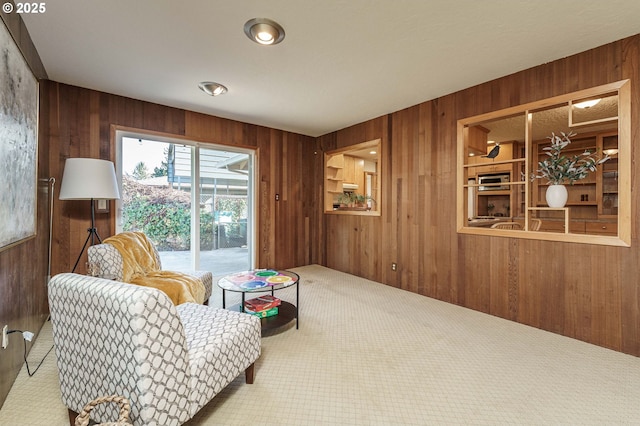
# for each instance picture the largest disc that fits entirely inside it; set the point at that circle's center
(258, 280)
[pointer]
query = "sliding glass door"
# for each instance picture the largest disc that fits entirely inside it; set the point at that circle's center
(206, 226)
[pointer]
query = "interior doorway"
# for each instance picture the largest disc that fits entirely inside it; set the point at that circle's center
(207, 226)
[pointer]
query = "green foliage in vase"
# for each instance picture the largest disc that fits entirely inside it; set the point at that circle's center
(559, 169)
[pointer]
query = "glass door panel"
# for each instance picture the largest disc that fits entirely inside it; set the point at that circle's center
(156, 198)
(225, 219)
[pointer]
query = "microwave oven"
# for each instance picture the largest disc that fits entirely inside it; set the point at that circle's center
(492, 182)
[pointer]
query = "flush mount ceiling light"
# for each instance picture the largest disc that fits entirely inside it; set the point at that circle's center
(211, 88)
(264, 31)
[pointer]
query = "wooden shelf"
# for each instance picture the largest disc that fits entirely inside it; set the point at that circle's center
(581, 183)
(493, 163)
(581, 203)
(489, 193)
(335, 162)
(287, 312)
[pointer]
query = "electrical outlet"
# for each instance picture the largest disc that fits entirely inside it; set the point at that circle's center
(5, 340)
(394, 266)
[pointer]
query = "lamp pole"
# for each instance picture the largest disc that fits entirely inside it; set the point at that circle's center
(93, 232)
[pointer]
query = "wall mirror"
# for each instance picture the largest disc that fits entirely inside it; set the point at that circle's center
(352, 179)
(502, 156)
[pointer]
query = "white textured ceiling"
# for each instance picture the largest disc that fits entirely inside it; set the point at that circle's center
(341, 62)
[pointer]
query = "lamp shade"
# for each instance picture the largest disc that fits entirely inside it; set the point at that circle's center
(89, 178)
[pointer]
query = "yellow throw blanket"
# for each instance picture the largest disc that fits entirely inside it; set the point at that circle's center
(141, 267)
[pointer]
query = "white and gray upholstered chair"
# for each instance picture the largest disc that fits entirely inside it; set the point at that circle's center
(114, 338)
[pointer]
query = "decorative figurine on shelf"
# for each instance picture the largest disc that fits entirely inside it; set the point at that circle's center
(494, 152)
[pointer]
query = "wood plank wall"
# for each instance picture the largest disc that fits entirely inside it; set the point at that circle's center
(581, 291)
(355, 245)
(587, 292)
(82, 123)
(23, 268)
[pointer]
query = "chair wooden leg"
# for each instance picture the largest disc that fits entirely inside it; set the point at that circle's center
(72, 417)
(249, 374)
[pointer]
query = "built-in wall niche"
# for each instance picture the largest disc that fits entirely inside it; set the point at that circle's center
(352, 179)
(499, 155)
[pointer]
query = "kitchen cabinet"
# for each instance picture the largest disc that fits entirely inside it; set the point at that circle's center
(580, 227)
(353, 172)
(477, 140)
(601, 228)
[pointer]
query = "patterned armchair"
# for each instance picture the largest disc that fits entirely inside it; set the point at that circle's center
(114, 338)
(111, 265)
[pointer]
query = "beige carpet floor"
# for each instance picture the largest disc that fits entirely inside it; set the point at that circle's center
(370, 354)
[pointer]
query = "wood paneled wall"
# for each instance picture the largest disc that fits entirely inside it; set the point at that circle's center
(587, 292)
(23, 268)
(581, 291)
(81, 124)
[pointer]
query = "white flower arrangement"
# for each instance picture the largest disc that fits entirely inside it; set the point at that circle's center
(559, 169)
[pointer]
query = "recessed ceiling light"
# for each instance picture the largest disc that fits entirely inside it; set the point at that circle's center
(587, 104)
(211, 88)
(264, 31)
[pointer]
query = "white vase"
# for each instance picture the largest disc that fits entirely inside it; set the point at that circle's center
(556, 196)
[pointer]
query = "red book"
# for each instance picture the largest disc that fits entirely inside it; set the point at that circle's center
(261, 303)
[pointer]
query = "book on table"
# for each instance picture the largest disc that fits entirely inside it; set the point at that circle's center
(261, 303)
(263, 314)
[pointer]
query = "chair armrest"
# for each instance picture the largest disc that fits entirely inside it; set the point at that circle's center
(207, 279)
(222, 344)
(108, 258)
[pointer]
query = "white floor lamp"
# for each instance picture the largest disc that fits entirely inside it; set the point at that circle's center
(89, 179)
